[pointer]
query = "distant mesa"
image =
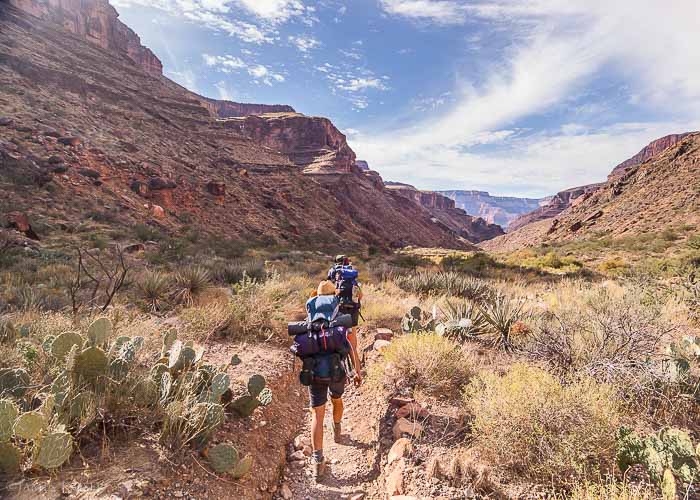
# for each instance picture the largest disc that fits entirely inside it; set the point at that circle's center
(501, 210)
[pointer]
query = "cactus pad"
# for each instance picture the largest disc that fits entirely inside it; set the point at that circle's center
(219, 384)
(265, 396)
(188, 356)
(168, 340)
(8, 415)
(146, 392)
(117, 345)
(157, 371)
(119, 369)
(63, 344)
(14, 382)
(199, 353)
(256, 384)
(30, 425)
(166, 384)
(223, 457)
(47, 343)
(10, 459)
(174, 359)
(416, 312)
(245, 405)
(53, 450)
(235, 360)
(48, 406)
(8, 332)
(242, 467)
(99, 332)
(91, 363)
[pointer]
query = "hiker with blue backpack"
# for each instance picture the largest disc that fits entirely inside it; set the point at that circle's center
(327, 346)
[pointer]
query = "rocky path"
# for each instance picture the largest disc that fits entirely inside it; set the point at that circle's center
(354, 467)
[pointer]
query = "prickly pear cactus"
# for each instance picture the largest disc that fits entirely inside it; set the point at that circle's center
(256, 384)
(175, 361)
(223, 457)
(8, 415)
(62, 345)
(47, 343)
(668, 486)
(99, 332)
(53, 450)
(119, 369)
(14, 382)
(10, 459)
(146, 393)
(117, 345)
(8, 333)
(91, 363)
(30, 425)
(242, 467)
(265, 396)
(166, 384)
(168, 340)
(219, 385)
(157, 371)
(47, 406)
(245, 405)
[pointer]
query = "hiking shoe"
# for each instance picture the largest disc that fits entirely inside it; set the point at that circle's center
(337, 435)
(318, 469)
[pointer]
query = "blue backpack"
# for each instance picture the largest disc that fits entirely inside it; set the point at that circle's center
(322, 308)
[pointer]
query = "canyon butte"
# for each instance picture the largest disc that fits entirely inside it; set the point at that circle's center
(90, 128)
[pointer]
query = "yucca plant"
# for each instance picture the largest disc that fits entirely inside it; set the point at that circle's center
(236, 272)
(462, 320)
(153, 288)
(449, 283)
(190, 282)
(502, 313)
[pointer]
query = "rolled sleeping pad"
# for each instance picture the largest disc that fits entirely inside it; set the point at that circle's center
(298, 327)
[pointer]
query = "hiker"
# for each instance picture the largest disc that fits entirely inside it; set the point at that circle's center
(326, 349)
(347, 287)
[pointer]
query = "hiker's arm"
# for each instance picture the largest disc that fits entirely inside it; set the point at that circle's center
(352, 338)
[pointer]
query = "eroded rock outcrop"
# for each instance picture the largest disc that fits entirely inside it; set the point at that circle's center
(559, 202)
(313, 143)
(98, 22)
(230, 109)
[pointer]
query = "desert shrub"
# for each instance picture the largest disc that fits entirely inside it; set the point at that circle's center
(409, 261)
(153, 288)
(384, 303)
(694, 242)
(544, 259)
(447, 283)
(527, 422)
(427, 362)
(147, 233)
(616, 265)
(190, 282)
(477, 263)
(611, 490)
(235, 272)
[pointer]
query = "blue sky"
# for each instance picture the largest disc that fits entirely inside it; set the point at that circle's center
(516, 97)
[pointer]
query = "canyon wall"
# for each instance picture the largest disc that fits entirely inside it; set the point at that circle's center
(230, 109)
(501, 210)
(650, 150)
(98, 22)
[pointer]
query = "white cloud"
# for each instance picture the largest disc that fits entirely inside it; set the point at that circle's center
(357, 84)
(225, 93)
(186, 78)
(229, 64)
(436, 11)
(304, 43)
(279, 11)
(557, 48)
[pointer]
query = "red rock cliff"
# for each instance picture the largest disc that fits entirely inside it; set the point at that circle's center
(313, 143)
(98, 22)
(230, 109)
(650, 150)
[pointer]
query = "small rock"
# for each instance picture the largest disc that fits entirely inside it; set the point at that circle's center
(178, 494)
(380, 345)
(22, 128)
(404, 426)
(286, 492)
(59, 169)
(297, 464)
(307, 451)
(297, 455)
(69, 141)
(216, 188)
(89, 172)
(359, 496)
(400, 449)
(5, 121)
(54, 160)
(157, 211)
(384, 334)
(20, 222)
(136, 247)
(301, 441)
(413, 411)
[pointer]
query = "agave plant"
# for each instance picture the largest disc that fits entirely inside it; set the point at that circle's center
(190, 282)
(502, 314)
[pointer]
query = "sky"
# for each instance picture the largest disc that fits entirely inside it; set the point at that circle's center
(514, 97)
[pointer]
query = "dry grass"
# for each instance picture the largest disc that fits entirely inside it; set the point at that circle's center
(612, 491)
(429, 363)
(386, 303)
(530, 424)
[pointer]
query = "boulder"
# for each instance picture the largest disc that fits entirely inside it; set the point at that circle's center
(286, 492)
(301, 441)
(401, 448)
(89, 173)
(380, 345)
(158, 183)
(297, 455)
(216, 188)
(157, 211)
(394, 481)
(412, 411)
(20, 222)
(400, 401)
(406, 427)
(69, 141)
(384, 334)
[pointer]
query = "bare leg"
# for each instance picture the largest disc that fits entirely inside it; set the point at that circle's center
(317, 415)
(337, 410)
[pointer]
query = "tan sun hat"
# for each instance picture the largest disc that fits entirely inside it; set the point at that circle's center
(326, 288)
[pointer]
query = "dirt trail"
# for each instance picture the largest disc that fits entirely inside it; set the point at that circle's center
(354, 466)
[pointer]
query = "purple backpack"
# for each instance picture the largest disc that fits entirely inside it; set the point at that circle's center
(324, 341)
